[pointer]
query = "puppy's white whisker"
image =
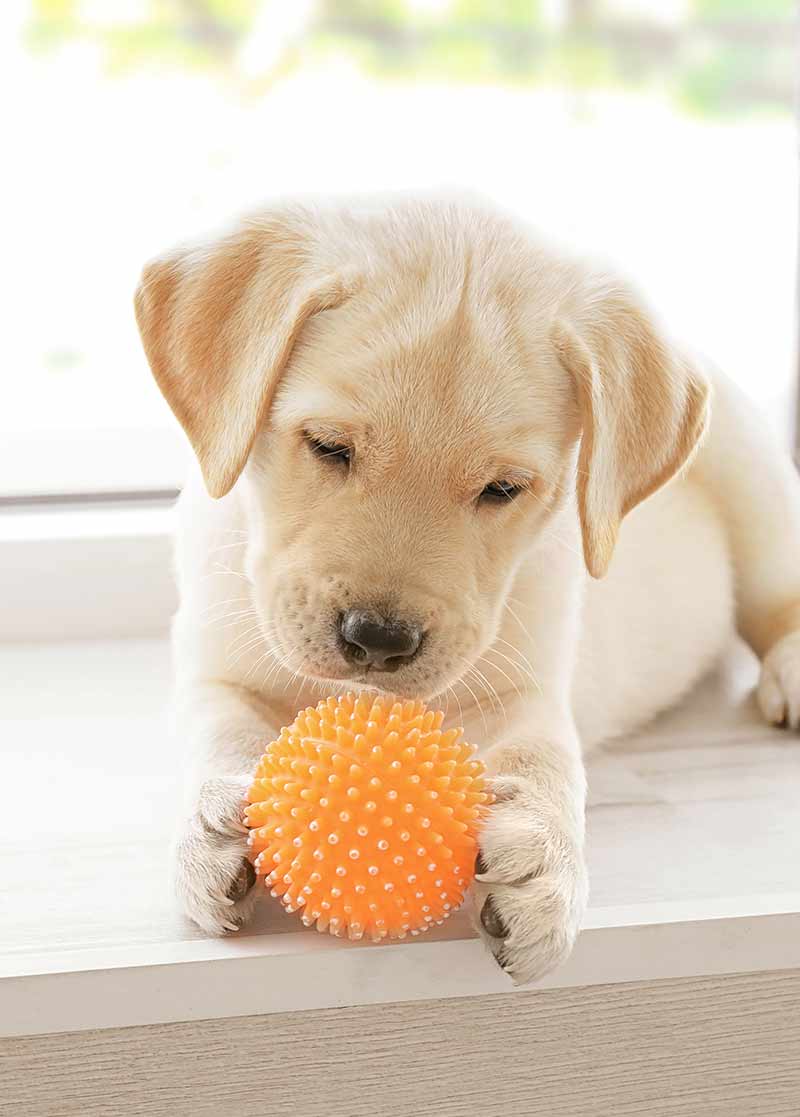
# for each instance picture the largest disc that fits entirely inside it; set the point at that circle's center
(229, 601)
(269, 652)
(498, 699)
(256, 630)
(236, 622)
(518, 652)
(252, 630)
(220, 570)
(551, 534)
(291, 680)
(248, 646)
(523, 674)
(506, 605)
(452, 690)
(478, 706)
(500, 670)
(254, 666)
(562, 543)
(490, 690)
(272, 670)
(476, 678)
(237, 616)
(301, 681)
(226, 546)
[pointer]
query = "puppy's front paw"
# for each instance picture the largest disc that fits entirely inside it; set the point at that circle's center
(779, 686)
(214, 878)
(531, 886)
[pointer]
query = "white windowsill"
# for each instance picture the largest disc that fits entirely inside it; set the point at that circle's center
(693, 848)
(297, 971)
(82, 571)
(92, 456)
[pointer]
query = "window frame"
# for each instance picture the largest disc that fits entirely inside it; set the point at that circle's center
(87, 568)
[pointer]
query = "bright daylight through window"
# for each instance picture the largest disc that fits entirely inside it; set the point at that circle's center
(595, 115)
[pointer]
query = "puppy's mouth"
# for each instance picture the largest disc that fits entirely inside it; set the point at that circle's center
(334, 673)
(367, 678)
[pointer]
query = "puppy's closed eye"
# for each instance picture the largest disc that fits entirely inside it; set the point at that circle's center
(500, 492)
(335, 452)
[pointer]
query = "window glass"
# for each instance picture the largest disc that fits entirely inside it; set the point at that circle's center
(658, 134)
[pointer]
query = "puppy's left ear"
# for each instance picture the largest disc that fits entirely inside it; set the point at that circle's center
(643, 409)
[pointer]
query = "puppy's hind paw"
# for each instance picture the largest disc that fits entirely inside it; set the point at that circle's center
(779, 687)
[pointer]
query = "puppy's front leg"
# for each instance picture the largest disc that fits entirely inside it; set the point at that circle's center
(531, 889)
(226, 728)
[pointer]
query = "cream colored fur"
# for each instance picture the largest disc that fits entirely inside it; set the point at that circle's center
(449, 347)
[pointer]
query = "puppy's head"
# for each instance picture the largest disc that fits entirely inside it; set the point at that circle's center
(405, 396)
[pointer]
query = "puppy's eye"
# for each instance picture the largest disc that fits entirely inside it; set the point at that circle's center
(500, 491)
(334, 451)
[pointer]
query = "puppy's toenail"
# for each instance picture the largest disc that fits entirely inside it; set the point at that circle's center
(243, 882)
(492, 922)
(480, 864)
(502, 959)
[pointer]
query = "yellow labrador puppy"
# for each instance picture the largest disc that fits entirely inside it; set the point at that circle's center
(435, 458)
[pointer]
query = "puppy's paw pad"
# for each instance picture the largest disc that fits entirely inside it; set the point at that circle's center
(779, 686)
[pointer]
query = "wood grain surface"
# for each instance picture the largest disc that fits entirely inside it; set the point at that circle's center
(724, 1046)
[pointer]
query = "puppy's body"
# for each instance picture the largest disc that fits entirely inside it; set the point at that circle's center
(659, 618)
(378, 375)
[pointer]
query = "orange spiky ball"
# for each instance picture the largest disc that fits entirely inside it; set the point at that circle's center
(364, 814)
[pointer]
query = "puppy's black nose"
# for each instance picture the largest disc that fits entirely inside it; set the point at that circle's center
(381, 642)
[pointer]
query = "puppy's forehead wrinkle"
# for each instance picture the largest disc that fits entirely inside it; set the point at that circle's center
(425, 264)
(370, 359)
(445, 344)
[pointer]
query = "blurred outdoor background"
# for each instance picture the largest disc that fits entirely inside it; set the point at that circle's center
(657, 133)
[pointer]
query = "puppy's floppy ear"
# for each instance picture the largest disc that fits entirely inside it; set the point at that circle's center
(218, 323)
(643, 411)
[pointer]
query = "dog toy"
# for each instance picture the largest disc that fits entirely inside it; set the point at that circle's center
(363, 816)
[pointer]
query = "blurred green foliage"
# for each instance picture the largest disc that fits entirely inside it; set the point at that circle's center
(724, 56)
(172, 32)
(755, 10)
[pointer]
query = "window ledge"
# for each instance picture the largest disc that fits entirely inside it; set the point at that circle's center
(693, 848)
(78, 571)
(257, 975)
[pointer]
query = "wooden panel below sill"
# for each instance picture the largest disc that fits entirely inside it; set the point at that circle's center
(725, 1046)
